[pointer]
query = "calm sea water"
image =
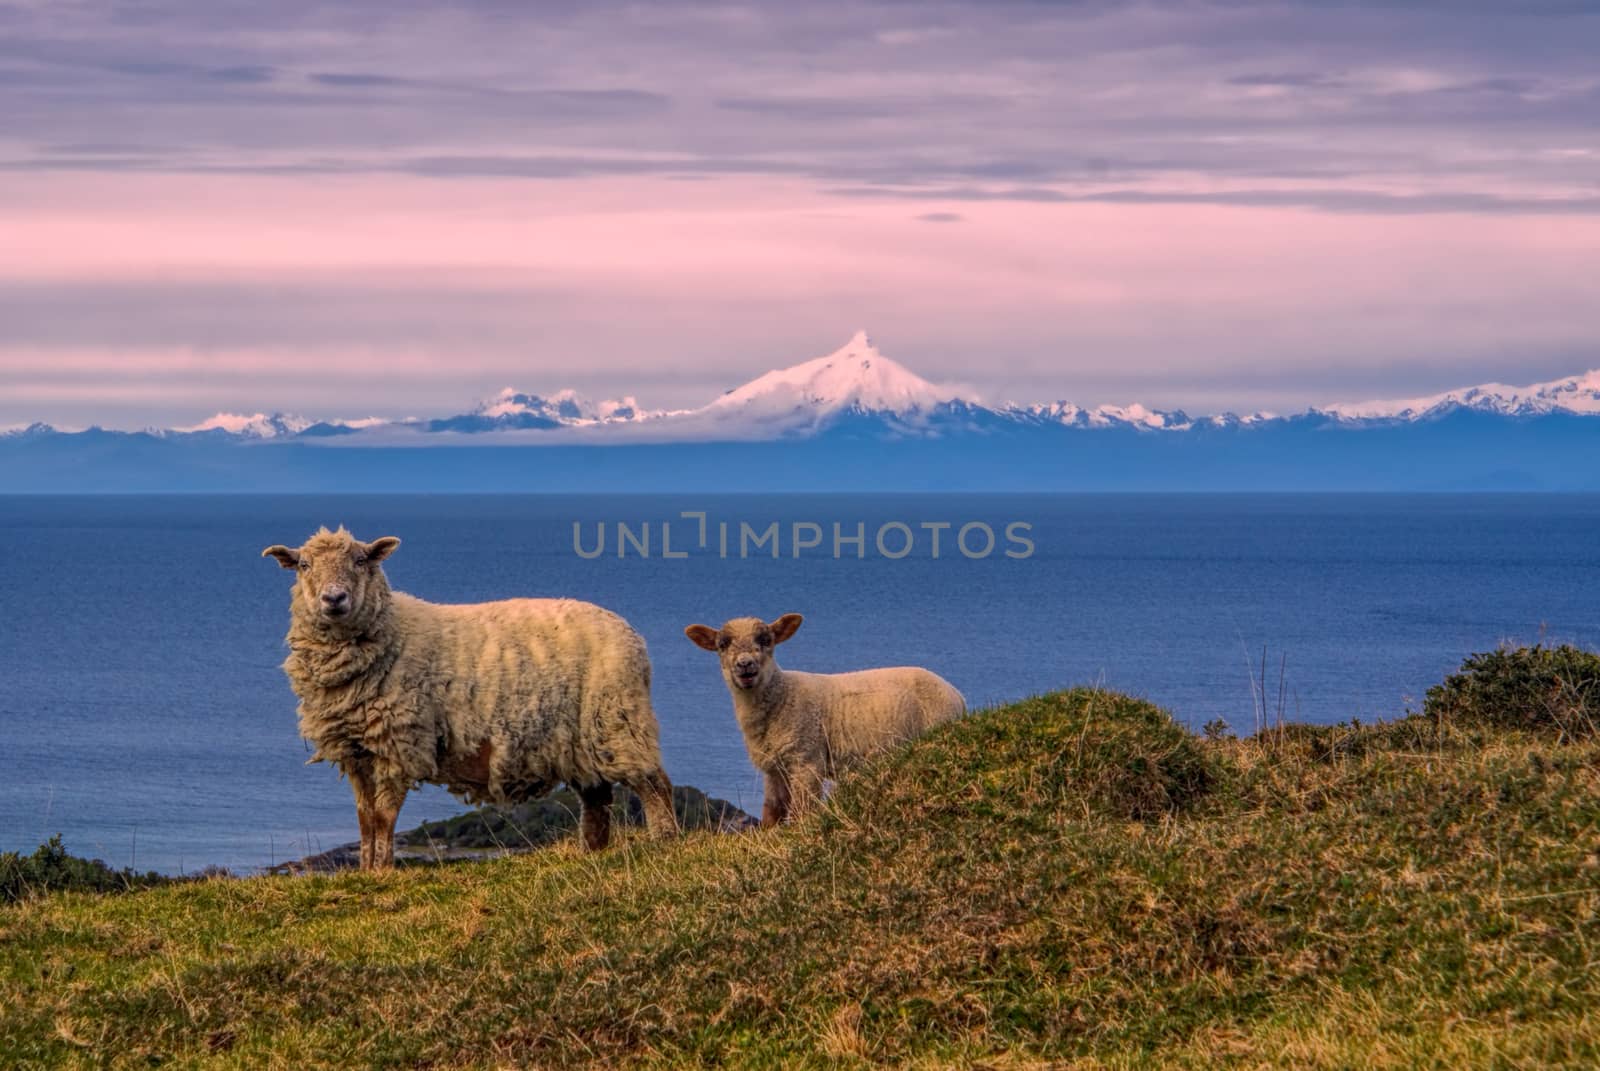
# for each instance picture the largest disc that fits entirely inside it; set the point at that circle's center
(144, 717)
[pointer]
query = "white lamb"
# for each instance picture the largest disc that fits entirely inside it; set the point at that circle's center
(499, 702)
(803, 728)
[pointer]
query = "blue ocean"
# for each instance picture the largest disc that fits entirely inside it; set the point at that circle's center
(143, 715)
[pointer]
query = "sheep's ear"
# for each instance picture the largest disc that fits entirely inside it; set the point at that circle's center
(702, 636)
(785, 627)
(289, 559)
(380, 549)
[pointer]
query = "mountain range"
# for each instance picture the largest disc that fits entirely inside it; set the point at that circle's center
(851, 420)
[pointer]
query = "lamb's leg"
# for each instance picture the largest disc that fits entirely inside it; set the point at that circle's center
(385, 814)
(596, 819)
(361, 786)
(775, 801)
(655, 792)
(805, 790)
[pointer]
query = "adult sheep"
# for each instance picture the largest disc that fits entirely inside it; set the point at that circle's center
(804, 728)
(499, 701)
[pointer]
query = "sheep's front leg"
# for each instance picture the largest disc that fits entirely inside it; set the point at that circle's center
(775, 802)
(385, 813)
(366, 803)
(655, 792)
(595, 822)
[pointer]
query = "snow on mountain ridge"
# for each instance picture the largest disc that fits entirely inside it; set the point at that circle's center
(1574, 394)
(858, 391)
(1104, 416)
(564, 407)
(253, 425)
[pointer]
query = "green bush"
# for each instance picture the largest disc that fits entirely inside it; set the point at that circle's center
(1532, 688)
(51, 868)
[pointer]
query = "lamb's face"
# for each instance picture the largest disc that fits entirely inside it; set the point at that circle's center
(744, 646)
(338, 576)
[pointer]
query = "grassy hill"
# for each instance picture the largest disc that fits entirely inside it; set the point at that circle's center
(1072, 878)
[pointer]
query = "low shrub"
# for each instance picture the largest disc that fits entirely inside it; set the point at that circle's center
(1531, 688)
(52, 869)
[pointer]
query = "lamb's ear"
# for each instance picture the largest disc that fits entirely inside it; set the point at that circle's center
(289, 559)
(702, 636)
(381, 548)
(785, 627)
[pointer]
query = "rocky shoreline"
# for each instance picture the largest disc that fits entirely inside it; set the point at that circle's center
(488, 832)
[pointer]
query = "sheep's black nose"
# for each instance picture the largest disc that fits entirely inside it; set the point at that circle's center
(335, 599)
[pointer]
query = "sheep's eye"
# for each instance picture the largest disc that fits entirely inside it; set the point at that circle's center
(305, 563)
(723, 643)
(361, 559)
(764, 640)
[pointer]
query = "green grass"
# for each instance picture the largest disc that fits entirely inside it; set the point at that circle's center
(1072, 879)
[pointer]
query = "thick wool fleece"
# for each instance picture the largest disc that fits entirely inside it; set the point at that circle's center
(499, 702)
(821, 722)
(804, 728)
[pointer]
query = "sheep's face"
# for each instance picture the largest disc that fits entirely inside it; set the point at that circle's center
(745, 647)
(339, 579)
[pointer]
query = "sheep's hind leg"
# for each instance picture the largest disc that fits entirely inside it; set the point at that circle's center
(596, 818)
(655, 792)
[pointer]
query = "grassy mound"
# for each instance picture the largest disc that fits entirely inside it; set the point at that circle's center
(1072, 878)
(1087, 751)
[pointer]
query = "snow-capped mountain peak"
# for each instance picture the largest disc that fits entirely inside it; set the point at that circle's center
(1104, 416)
(252, 425)
(564, 407)
(1574, 394)
(854, 377)
(36, 428)
(512, 402)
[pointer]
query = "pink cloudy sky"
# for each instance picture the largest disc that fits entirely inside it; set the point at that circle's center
(399, 208)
